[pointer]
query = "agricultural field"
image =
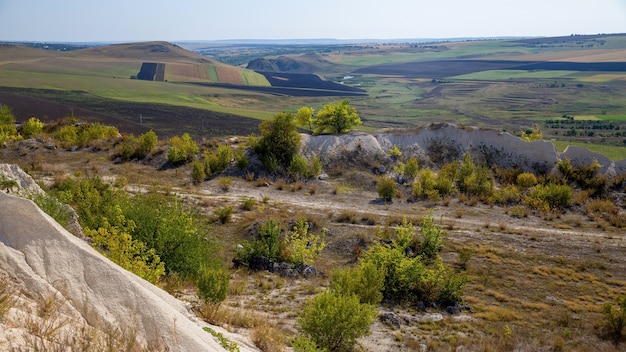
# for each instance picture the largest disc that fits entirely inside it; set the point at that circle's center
(507, 84)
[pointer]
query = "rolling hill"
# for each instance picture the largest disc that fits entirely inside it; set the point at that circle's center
(125, 61)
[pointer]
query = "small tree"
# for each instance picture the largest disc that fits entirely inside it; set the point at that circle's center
(387, 188)
(279, 141)
(337, 118)
(304, 116)
(212, 284)
(334, 321)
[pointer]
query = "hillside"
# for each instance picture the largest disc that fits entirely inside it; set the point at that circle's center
(124, 61)
(532, 263)
(87, 299)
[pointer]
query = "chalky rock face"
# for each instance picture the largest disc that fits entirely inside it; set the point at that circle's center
(48, 261)
(440, 143)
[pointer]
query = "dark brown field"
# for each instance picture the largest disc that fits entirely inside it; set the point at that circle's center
(165, 120)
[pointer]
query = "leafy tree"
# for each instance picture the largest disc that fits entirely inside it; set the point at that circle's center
(279, 141)
(334, 321)
(337, 118)
(304, 116)
(387, 188)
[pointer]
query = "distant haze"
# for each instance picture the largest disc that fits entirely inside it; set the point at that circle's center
(142, 20)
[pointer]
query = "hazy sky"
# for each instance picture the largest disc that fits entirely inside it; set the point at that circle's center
(173, 20)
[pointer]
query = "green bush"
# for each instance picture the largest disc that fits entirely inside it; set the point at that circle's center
(411, 168)
(614, 318)
(268, 244)
(303, 247)
(279, 141)
(32, 127)
(432, 238)
(508, 195)
(387, 189)
(182, 149)
(526, 180)
(303, 344)
(366, 281)
(114, 240)
(415, 276)
(197, 172)
(212, 284)
(248, 204)
(334, 321)
(241, 158)
(219, 160)
(424, 185)
(223, 214)
(549, 197)
(299, 166)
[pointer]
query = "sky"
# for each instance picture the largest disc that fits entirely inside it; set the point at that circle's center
(188, 20)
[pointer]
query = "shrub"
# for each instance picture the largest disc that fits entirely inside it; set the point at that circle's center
(387, 188)
(223, 214)
(334, 321)
(303, 344)
(32, 127)
(279, 141)
(432, 238)
(303, 247)
(507, 195)
(241, 159)
(248, 203)
(408, 277)
(220, 160)
(268, 244)
(394, 152)
(224, 183)
(182, 149)
(197, 173)
(411, 168)
(549, 197)
(526, 180)
(366, 281)
(212, 284)
(424, 184)
(615, 318)
(299, 166)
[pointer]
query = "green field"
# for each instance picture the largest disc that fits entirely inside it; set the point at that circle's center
(612, 152)
(502, 75)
